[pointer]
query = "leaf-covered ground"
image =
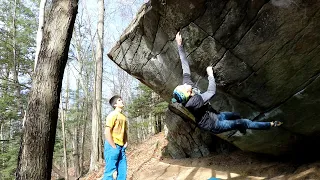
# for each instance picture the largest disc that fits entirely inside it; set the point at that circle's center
(146, 163)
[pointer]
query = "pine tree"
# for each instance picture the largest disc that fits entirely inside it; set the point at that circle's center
(18, 21)
(146, 112)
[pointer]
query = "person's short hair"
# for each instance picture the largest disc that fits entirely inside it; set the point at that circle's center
(180, 94)
(113, 100)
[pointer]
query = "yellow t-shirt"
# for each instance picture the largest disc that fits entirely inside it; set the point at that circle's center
(117, 122)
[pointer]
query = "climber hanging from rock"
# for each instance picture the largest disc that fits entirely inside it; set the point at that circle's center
(197, 103)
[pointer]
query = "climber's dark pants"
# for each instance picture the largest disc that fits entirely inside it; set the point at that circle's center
(225, 123)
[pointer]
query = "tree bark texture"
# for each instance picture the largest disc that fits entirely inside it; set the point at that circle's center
(36, 151)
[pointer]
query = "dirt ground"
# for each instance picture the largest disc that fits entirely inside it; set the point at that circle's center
(146, 163)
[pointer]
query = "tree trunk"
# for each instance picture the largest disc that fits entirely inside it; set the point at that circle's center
(96, 153)
(63, 119)
(40, 30)
(78, 145)
(62, 175)
(76, 151)
(65, 164)
(15, 68)
(3, 141)
(36, 151)
(76, 129)
(83, 135)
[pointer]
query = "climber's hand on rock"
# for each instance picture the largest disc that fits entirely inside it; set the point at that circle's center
(209, 71)
(179, 39)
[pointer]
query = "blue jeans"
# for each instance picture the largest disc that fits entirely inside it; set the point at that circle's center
(116, 160)
(232, 121)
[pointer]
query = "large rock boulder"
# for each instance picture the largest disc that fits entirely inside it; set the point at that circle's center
(265, 56)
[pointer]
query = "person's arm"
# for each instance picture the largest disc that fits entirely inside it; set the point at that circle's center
(108, 130)
(182, 54)
(125, 138)
(211, 91)
(184, 61)
(109, 137)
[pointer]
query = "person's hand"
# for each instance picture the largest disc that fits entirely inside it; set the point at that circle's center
(209, 71)
(125, 145)
(179, 39)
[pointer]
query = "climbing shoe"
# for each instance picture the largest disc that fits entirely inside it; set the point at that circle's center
(243, 131)
(277, 123)
(231, 134)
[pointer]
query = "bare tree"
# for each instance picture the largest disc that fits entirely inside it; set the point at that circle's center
(63, 119)
(36, 151)
(75, 143)
(96, 151)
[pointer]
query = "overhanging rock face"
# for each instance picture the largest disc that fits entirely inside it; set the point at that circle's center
(265, 56)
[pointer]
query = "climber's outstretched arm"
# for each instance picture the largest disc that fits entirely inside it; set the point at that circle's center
(211, 91)
(184, 61)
